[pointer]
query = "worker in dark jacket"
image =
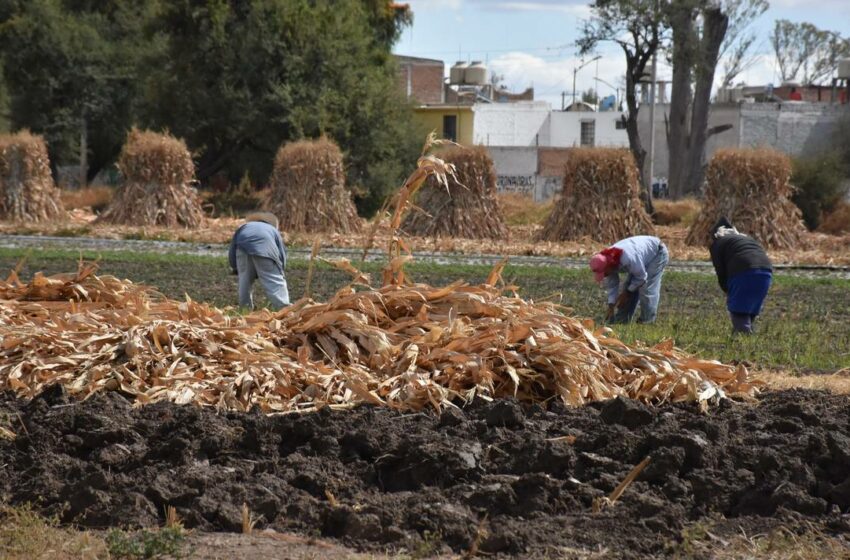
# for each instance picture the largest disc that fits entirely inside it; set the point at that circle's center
(744, 272)
(257, 251)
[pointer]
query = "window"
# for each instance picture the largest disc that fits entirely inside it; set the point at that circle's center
(588, 133)
(450, 127)
(620, 124)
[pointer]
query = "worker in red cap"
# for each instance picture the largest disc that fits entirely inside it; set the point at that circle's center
(643, 259)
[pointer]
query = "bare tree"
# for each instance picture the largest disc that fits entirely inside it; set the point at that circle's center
(638, 27)
(736, 52)
(695, 52)
(806, 53)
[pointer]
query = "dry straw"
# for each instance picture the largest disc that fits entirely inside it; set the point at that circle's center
(467, 207)
(405, 347)
(600, 198)
(157, 190)
(308, 192)
(27, 191)
(752, 188)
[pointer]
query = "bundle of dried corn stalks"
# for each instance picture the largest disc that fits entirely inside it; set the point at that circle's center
(751, 187)
(27, 191)
(600, 198)
(157, 190)
(308, 189)
(406, 347)
(464, 207)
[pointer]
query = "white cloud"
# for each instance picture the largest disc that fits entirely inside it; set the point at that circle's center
(577, 9)
(435, 4)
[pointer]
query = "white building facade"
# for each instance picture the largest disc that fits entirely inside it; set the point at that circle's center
(529, 142)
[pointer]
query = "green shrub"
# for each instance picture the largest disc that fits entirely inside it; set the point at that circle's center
(820, 185)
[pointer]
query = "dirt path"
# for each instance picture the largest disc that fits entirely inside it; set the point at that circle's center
(219, 250)
(515, 482)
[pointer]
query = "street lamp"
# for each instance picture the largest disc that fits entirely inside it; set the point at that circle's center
(575, 71)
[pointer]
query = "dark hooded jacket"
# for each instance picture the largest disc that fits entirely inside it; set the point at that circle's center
(735, 253)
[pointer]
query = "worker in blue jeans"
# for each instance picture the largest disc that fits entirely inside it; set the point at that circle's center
(257, 251)
(643, 259)
(744, 272)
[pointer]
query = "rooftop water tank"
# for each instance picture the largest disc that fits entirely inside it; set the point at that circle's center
(457, 73)
(476, 74)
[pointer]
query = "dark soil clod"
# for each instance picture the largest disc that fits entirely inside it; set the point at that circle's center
(375, 478)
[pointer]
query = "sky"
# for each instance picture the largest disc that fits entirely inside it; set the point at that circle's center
(532, 43)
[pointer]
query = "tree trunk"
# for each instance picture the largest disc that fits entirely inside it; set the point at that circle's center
(694, 58)
(682, 22)
(635, 67)
(715, 24)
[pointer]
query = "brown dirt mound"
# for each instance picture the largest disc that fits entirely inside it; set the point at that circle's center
(27, 191)
(157, 190)
(750, 187)
(600, 199)
(308, 191)
(520, 481)
(467, 208)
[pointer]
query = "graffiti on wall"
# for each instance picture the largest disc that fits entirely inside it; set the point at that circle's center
(540, 187)
(523, 184)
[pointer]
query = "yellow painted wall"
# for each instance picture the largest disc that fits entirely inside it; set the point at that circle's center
(431, 118)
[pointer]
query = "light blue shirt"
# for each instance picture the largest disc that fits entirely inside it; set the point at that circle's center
(638, 252)
(259, 239)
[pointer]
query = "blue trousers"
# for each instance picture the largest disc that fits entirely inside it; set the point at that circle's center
(747, 292)
(648, 295)
(252, 267)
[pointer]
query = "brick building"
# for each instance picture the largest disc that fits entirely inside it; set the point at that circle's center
(421, 79)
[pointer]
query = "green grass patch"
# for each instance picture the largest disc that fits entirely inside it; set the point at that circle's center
(804, 326)
(168, 542)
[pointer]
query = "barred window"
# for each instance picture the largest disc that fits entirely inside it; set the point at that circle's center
(588, 133)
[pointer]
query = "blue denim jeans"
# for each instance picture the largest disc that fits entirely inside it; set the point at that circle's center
(648, 295)
(252, 267)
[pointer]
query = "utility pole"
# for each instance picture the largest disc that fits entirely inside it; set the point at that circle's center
(651, 166)
(563, 100)
(575, 72)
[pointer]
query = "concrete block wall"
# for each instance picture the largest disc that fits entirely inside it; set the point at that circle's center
(798, 129)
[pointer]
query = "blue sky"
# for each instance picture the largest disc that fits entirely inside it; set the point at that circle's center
(532, 42)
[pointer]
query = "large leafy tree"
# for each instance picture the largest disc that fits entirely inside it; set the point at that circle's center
(239, 78)
(235, 78)
(70, 69)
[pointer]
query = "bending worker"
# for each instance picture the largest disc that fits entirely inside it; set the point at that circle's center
(643, 258)
(257, 251)
(744, 272)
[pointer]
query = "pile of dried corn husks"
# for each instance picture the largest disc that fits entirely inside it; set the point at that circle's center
(308, 191)
(27, 191)
(465, 205)
(407, 347)
(752, 188)
(600, 198)
(157, 188)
